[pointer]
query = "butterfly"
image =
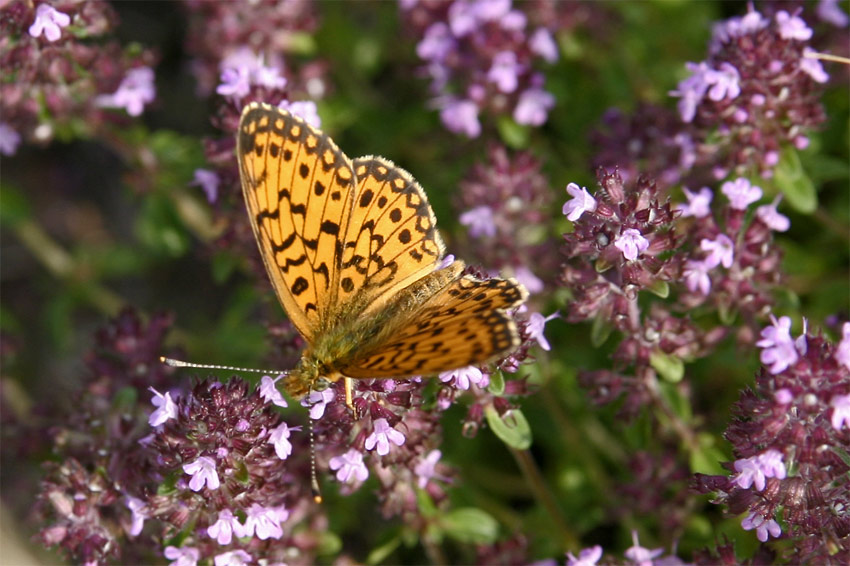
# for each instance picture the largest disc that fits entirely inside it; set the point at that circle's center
(353, 253)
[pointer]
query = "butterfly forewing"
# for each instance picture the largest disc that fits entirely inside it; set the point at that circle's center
(299, 189)
(392, 239)
(463, 324)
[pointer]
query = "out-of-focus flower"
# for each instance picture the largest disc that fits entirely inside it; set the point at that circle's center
(49, 21)
(135, 91)
(382, 436)
(349, 466)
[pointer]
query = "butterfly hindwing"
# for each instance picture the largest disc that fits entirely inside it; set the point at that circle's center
(463, 324)
(299, 189)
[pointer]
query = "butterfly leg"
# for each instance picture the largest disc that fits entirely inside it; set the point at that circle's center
(349, 401)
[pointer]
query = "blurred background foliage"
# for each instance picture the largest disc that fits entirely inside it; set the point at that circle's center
(92, 225)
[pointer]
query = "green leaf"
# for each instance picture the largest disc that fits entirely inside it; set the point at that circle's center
(792, 181)
(660, 288)
(470, 525)
(670, 368)
(600, 331)
(514, 135)
(513, 429)
(707, 457)
(497, 383)
(380, 553)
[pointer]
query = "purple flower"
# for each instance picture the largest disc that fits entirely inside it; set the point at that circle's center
(764, 529)
(691, 90)
(465, 17)
(771, 216)
(265, 521)
(233, 558)
(741, 193)
(465, 376)
(208, 181)
(136, 89)
(269, 391)
(842, 351)
(639, 555)
(755, 470)
(533, 107)
(480, 221)
(235, 83)
(580, 203)
(792, 27)
(49, 21)
(830, 11)
(166, 408)
(724, 82)
(9, 139)
(696, 276)
(437, 43)
(382, 435)
(632, 243)
(349, 465)
(280, 438)
(317, 401)
(185, 556)
(542, 43)
(586, 557)
(840, 411)
(203, 472)
(532, 283)
(698, 203)
(138, 510)
(461, 117)
(225, 527)
(779, 349)
(783, 396)
(425, 470)
(720, 251)
(505, 71)
(812, 66)
(304, 109)
(536, 324)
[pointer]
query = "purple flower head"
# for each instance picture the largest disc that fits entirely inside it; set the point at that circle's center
(463, 377)
(698, 203)
(542, 43)
(842, 352)
(225, 527)
(580, 203)
(769, 214)
(279, 437)
(305, 109)
(586, 557)
(792, 27)
(480, 221)
(696, 276)
(9, 139)
(632, 243)
(639, 555)
(49, 21)
(779, 348)
(317, 401)
(166, 408)
(235, 83)
(764, 529)
(437, 43)
(136, 89)
(461, 117)
(724, 82)
(233, 558)
(533, 107)
(812, 66)
(830, 11)
(755, 470)
(425, 470)
(184, 556)
(269, 391)
(139, 513)
(203, 472)
(264, 522)
(505, 71)
(208, 180)
(349, 465)
(741, 193)
(720, 251)
(382, 435)
(840, 411)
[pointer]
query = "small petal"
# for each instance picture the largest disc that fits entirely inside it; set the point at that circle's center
(166, 408)
(842, 351)
(225, 527)
(139, 512)
(580, 203)
(269, 391)
(533, 107)
(461, 117)
(304, 109)
(279, 437)
(425, 469)
(792, 27)
(771, 217)
(586, 557)
(203, 472)
(233, 558)
(632, 243)
(840, 412)
(741, 193)
(382, 435)
(49, 21)
(185, 556)
(317, 401)
(696, 276)
(542, 43)
(480, 221)
(720, 251)
(9, 139)
(349, 465)
(698, 204)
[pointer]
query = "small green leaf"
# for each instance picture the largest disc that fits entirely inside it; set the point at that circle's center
(380, 553)
(514, 135)
(512, 429)
(659, 288)
(600, 331)
(497, 383)
(792, 181)
(470, 525)
(670, 368)
(707, 457)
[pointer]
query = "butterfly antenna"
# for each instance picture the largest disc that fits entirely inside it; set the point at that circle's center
(181, 364)
(314, 481)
